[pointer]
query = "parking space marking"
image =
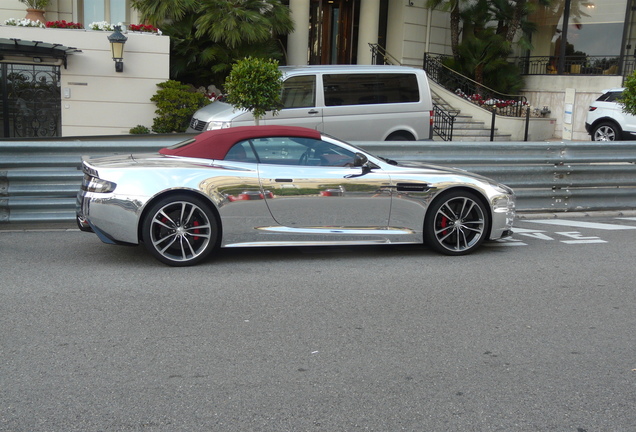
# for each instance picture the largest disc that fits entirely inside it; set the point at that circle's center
(581, 224)
(505, 242)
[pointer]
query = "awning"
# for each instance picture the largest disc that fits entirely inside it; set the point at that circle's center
(38, 49)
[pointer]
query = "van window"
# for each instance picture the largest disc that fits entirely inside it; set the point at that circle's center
(361, 89)
(299, 92)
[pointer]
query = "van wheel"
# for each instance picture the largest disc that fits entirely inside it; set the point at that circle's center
(400, 136)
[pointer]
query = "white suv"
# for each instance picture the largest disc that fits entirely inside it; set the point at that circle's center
(606, 120)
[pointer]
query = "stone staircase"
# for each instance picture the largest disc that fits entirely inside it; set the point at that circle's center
(465, 127)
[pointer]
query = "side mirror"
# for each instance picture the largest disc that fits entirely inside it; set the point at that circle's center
(360, 160)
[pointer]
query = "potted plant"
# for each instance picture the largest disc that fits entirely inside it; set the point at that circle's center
(255, 84)
(35, 9)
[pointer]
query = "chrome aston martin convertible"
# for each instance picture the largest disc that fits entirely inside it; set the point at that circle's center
(283, 186)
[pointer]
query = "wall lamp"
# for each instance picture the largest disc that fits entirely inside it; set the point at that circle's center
(117, 41)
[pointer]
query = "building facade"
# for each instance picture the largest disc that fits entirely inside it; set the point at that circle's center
(580, 48)
(63, 82)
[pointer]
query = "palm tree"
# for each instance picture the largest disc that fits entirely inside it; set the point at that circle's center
(488, 31)
(207, 36)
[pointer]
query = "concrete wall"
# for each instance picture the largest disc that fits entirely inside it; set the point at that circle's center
(101, 101)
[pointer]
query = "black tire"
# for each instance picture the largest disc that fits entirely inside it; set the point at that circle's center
(457, 223)
(400, 136)
(606, 131)
(180, 230)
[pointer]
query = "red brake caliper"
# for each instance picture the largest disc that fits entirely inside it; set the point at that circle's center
(444, 224)
(196, 231)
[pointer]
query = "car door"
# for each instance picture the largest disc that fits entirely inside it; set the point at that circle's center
(313, 184)
(299, 104)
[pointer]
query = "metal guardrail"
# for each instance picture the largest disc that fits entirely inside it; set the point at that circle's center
(40, 179)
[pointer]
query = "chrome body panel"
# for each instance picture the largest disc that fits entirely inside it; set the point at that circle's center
(273, 205)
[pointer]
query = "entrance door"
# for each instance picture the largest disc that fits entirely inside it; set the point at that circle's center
(333, 35)
(30, 101)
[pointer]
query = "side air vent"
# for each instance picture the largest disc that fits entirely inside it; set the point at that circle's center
(412, 187)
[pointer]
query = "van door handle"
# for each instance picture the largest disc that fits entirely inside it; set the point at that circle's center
(313, 111)
(284, 180)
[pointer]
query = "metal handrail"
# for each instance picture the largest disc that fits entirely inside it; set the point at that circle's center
(444, 122)
(482, 96)
(378, 51)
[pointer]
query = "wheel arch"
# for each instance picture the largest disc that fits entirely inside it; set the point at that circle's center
(482, 198)
(180, 192)
(410, 135)
(598, 121)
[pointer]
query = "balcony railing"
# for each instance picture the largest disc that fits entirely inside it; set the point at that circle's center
(576, 65)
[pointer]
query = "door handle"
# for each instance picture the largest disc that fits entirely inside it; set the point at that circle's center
(313, 111)
(283, 180)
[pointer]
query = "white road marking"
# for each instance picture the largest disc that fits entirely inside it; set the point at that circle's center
(581, 224)
(505, 242)
(517, 230)
(627, 218)
(583, 241)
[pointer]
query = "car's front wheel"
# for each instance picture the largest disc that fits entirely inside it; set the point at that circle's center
(180, 230)
(456, 223)
(606, 131)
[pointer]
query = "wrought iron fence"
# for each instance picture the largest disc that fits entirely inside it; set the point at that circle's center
(492, 100)
(30, 100)
(443, 122)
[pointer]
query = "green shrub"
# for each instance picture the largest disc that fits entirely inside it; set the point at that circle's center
(255, 84)
(628, 98)
(139, 130)
(175, 105)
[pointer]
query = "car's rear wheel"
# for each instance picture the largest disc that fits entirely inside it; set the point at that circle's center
(456, 223)
(180, 230)
(606, 131)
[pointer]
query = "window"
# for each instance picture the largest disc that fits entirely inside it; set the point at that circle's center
(241, 152)
(586, 41)
(111, 11)
(610, 96)
(299, 92)
(295, 151)
(361, 89)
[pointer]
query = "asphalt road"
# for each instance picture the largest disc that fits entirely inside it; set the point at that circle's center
(533, 334)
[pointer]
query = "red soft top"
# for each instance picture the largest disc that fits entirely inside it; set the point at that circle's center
(215, 144)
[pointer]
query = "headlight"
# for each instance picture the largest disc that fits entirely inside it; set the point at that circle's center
(501, 188)
(214, 125)
(95, 184)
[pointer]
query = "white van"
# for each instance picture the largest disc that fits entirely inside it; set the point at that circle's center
(351, 102)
